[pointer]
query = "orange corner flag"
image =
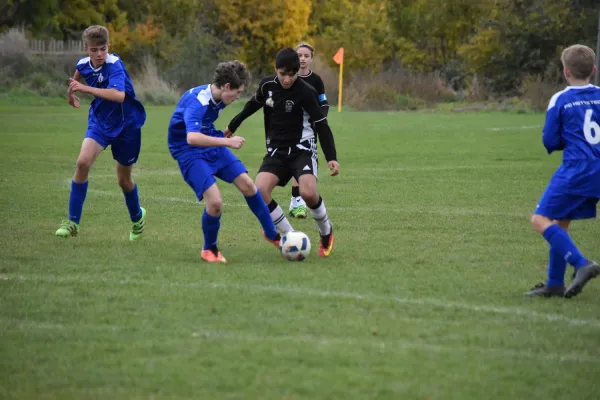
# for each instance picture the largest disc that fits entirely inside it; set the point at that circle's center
(339, 56)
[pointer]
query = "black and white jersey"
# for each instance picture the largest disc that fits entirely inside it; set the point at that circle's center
(294, 115)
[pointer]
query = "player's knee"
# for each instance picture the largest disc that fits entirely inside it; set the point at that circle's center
(246, 185)
(84, 164)
(309, 194)
(539, 222)
(214, 206)
(125, 182)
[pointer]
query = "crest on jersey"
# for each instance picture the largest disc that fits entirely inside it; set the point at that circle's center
(100, 78)
(270, 102)
(289, 105)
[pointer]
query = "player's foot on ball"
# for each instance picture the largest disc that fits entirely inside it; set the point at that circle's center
(213, 256)
(543, 290)
(275, 242)
(326, 244)
(68, 228)
(137, 228)
(582, 276)
(299, 212)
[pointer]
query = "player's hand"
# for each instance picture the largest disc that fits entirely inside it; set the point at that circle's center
(235, 142)
(75, 86)
(334, 167)
(227, 133)
(74, 100)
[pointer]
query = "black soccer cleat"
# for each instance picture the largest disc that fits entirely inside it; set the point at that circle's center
(582, 275)
(542, 290)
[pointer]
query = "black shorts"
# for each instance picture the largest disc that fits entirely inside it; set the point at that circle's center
(288, 162)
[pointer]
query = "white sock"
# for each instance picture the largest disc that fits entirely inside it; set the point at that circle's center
(319, 214)
(297, 202)
(281, 222)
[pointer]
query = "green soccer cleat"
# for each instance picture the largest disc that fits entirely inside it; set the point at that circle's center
(137, 228)
(299, 212)
(68, 228)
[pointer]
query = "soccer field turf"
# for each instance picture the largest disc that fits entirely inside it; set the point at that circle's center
(421, 298)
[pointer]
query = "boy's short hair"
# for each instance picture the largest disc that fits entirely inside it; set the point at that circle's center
(96, 35)
(287, 59)
(308, 46)
(579, 60)
(233, 72)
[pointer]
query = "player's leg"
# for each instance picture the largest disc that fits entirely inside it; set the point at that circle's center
(305, 168)
(316, 205)
(90, 149)
(273, 172)
(555, 206)
(233, 171)
(297, 204)
(211, 222)
(198, 174)
(557, 266)
(126, 150)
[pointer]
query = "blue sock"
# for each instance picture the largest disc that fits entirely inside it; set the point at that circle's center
(76, 199)
(561, 243)
(133, 204)
(261, 210)
(556, 269)
(210, 227)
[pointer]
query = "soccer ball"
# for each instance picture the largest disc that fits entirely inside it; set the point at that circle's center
(295, 246)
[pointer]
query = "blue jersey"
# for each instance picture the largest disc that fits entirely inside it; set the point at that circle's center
(572, 123)
(110, 117)
(196, 111)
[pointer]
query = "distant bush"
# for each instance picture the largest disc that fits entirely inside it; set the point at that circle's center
(150, 88)
(538, 91)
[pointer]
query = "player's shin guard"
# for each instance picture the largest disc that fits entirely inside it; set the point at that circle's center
(260, 209)
(76, 200)
(210, 227)
(281, 222)
(319, 214)
(557, 267)
(561, 242)
(132, 201)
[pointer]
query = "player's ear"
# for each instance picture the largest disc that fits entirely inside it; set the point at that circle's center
(226, 86)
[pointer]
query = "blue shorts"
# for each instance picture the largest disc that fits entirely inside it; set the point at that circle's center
(556, 204)
(200, 170)
(125, 146)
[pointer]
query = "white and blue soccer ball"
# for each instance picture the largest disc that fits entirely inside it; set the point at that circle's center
(295, 246)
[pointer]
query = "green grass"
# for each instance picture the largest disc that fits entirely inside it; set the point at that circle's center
(421, 299)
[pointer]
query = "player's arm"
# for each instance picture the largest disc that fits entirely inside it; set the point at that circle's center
(253, 105)
(311, 104)
(192, 117)
(551, 132)
(116, 85)
(71, 96)
(320, 88)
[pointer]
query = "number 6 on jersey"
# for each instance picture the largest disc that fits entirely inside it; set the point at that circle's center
(591, 129)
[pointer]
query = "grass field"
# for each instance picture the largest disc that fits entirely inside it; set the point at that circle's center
(421, 299)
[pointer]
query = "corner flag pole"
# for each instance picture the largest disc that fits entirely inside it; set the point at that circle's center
(597, 77)
(339, 59)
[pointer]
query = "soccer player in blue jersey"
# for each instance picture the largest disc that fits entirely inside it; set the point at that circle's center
(572, 125)
(202, 153)
(115, 119)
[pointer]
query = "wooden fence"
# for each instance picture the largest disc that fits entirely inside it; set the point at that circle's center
(55, 47)
(44, 47)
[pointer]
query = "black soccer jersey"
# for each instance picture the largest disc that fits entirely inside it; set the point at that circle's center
(315, 81)
(293, 113)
